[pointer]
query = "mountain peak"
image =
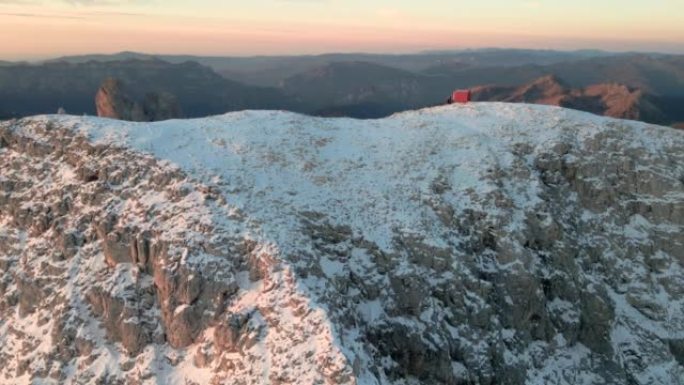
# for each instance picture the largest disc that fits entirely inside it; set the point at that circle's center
(273, 247)
(550, 80)
(546, 90)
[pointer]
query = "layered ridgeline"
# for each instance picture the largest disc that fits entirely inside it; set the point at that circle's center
(479, 244)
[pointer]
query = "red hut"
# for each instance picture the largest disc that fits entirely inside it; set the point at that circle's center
(460, 96)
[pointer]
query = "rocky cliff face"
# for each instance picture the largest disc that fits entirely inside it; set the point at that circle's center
(478, 244)
(113, 101)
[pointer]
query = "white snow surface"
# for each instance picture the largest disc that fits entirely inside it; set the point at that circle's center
(374, 177)
(370, 174)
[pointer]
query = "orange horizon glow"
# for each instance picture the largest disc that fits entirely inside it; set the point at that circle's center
(34, 31)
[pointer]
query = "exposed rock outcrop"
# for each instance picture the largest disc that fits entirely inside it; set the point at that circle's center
(114, 101)
(494, 244)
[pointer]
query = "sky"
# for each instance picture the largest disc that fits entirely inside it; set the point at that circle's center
(37, 29)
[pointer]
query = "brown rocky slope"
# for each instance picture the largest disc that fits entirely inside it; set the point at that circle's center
(614, 100)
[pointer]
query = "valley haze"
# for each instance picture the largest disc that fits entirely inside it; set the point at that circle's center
(639, 86)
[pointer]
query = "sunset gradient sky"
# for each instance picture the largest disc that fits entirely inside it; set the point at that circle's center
(33, 29)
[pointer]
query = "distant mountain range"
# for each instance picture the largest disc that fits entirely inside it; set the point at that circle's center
(647, 87)
(609, 99)
(35, 89)
(271, 70)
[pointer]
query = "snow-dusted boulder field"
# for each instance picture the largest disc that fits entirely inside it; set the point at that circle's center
(479, 244)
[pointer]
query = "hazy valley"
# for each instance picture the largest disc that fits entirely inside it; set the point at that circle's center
(647, 87)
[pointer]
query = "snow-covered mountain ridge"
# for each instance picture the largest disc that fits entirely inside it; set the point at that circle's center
(485, 244)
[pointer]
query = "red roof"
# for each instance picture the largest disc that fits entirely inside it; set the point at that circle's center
(461, 96)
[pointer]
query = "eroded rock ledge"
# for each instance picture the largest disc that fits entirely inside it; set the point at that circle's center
(101, 238)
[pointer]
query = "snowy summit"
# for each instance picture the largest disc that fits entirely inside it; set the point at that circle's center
(486, 243)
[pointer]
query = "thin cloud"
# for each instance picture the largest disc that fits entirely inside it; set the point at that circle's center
(77, 2)
(103, 2)
(114, 13)
(37, 15)
(19, 2)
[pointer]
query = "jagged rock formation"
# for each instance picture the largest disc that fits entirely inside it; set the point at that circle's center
(113, 101)
(614, 100)
(493, 244)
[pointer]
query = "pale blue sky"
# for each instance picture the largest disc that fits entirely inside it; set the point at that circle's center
(35, 28)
